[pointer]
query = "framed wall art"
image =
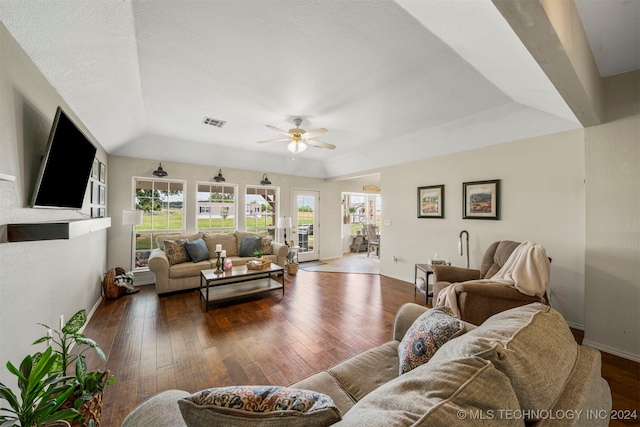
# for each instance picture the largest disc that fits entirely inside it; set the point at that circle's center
(431, 201)
(481, 200)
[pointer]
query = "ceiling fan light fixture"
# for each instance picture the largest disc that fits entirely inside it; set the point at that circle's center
(265, 180)
(160, 172)
(297, 147)
(219, 177)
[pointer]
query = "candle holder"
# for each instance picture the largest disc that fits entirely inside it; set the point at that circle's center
(218, 263)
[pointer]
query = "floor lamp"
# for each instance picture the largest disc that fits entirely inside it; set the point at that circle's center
(131, 218)
(284, 223)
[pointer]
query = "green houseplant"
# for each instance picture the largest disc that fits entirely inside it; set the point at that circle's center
(87, 386)
(42, 394)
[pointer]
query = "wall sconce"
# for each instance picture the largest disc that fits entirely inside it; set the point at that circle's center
(265, 180)
(160, 172)
(219, 177)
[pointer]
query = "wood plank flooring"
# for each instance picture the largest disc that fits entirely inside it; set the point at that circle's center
(159, 343)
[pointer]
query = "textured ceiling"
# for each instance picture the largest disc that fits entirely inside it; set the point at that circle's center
(393, 81)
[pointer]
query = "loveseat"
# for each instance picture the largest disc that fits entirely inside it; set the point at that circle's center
(520, 367)
(175, 270)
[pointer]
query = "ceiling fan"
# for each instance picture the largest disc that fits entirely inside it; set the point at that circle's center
(298, 139)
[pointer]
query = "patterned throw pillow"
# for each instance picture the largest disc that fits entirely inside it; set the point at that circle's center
(425, 336)
(257, 405)
(176, 252)
(267, 249)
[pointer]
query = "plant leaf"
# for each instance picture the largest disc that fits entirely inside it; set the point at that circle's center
(91, 343)
(76, 322)
(38, 341)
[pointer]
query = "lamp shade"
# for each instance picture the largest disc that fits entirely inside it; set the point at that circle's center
(160, 172)
(131, 217)
(284, 223)
(265, 180)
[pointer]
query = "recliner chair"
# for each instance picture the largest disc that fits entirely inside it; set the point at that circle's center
(479, 301)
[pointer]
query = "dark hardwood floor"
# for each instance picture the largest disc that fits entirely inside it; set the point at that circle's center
(159, 343)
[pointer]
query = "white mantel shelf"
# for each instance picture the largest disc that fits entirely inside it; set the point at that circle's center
(5, 177)
(55, 230)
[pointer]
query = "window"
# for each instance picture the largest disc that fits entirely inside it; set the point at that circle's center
(357, 212)
(162, 206)
(261, 209)
(216, 207)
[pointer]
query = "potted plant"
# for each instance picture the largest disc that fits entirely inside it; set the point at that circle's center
(258, 253)
(42, 394)
(87, 387)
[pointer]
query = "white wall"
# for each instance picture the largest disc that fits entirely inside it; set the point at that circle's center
(39, 281)
(122, 169)
(542, 200)
(612, 303)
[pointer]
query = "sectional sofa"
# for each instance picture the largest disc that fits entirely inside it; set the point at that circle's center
(520, 367)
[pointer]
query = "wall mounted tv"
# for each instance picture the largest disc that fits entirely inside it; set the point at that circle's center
(66, 166)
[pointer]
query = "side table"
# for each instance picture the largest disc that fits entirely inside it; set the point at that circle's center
(427, 271)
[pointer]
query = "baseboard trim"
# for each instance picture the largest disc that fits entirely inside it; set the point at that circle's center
(576, 326)
(611, 350)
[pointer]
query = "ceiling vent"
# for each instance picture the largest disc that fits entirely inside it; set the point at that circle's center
(214, 122)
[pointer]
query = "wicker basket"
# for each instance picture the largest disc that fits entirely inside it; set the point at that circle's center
(292, 269)
(90, 409)
(258, 264)
(111, 290)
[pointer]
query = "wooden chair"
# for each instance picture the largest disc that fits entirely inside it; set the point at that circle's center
(373, 239)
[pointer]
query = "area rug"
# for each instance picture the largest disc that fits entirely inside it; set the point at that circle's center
(348, 263)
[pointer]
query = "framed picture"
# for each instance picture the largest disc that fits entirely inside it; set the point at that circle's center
(431, 201)
(95, 170)
(95, 193)
(481, 199)
(103, 199)
(103, 172)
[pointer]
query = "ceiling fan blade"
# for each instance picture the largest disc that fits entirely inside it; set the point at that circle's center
(320, 144)
(313, 133)
(276, 140)
(278, 130)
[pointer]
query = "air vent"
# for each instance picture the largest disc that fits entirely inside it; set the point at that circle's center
(214, 122)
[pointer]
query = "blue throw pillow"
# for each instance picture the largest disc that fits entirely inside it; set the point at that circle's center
(197, 250)
(249, 245)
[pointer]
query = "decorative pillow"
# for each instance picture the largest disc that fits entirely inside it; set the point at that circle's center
(164, 237)
(267, 249)
(197, 250)
(176, 253)
(258, 406)
(425, 336)
(242, 234)
(249, 245)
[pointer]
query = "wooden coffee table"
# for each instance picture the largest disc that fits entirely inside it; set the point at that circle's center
(238, 282)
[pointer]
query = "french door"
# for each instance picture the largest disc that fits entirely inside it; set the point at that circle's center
(306, 207)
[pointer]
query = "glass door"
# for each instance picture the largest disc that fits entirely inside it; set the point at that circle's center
(306, 204)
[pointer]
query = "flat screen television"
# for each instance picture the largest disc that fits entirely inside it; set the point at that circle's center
(66, 166)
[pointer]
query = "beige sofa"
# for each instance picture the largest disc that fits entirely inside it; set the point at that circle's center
(186, 275)
(520, 367)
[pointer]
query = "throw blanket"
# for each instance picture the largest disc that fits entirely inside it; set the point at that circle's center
(526, 269)
(125, 281)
